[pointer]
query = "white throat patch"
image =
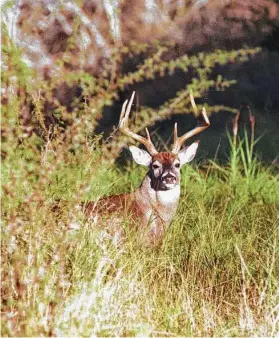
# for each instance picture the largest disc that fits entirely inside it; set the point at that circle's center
(169, 196)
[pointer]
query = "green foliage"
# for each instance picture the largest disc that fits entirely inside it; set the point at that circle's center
(49, 106)
(216, 272)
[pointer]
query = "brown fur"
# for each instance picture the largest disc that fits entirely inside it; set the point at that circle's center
(117, 204)
(144, 208)
(165, 158)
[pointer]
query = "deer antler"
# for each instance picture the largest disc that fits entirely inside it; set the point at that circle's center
(203, 123)
(123, 127)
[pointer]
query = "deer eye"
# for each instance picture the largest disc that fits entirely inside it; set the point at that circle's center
(177, 165)
(155, 166)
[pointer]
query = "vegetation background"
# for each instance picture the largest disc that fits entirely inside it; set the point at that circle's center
(67, 66)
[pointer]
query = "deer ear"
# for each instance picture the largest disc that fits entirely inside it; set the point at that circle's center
(140, 156)
(187, 154)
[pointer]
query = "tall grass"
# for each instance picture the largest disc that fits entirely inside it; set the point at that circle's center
(216, 272)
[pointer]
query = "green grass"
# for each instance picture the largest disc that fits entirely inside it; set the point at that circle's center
(216, 272)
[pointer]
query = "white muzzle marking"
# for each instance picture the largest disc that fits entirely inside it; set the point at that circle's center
(169, 179)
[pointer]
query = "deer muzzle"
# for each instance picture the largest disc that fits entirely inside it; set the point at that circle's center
(169, 179)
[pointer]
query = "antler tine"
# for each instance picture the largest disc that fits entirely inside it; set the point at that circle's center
(130, 104)
(175, 133)
(193, 103)
(122, 114)
(203, 123)
(123, 127)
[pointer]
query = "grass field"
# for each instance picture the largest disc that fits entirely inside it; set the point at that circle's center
(216, 272)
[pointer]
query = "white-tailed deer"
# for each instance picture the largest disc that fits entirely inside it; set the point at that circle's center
(153, 205)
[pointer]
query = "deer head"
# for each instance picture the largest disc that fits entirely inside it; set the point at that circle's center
(164, 167)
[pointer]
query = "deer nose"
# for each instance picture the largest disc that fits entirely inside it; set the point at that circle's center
(168, 178)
